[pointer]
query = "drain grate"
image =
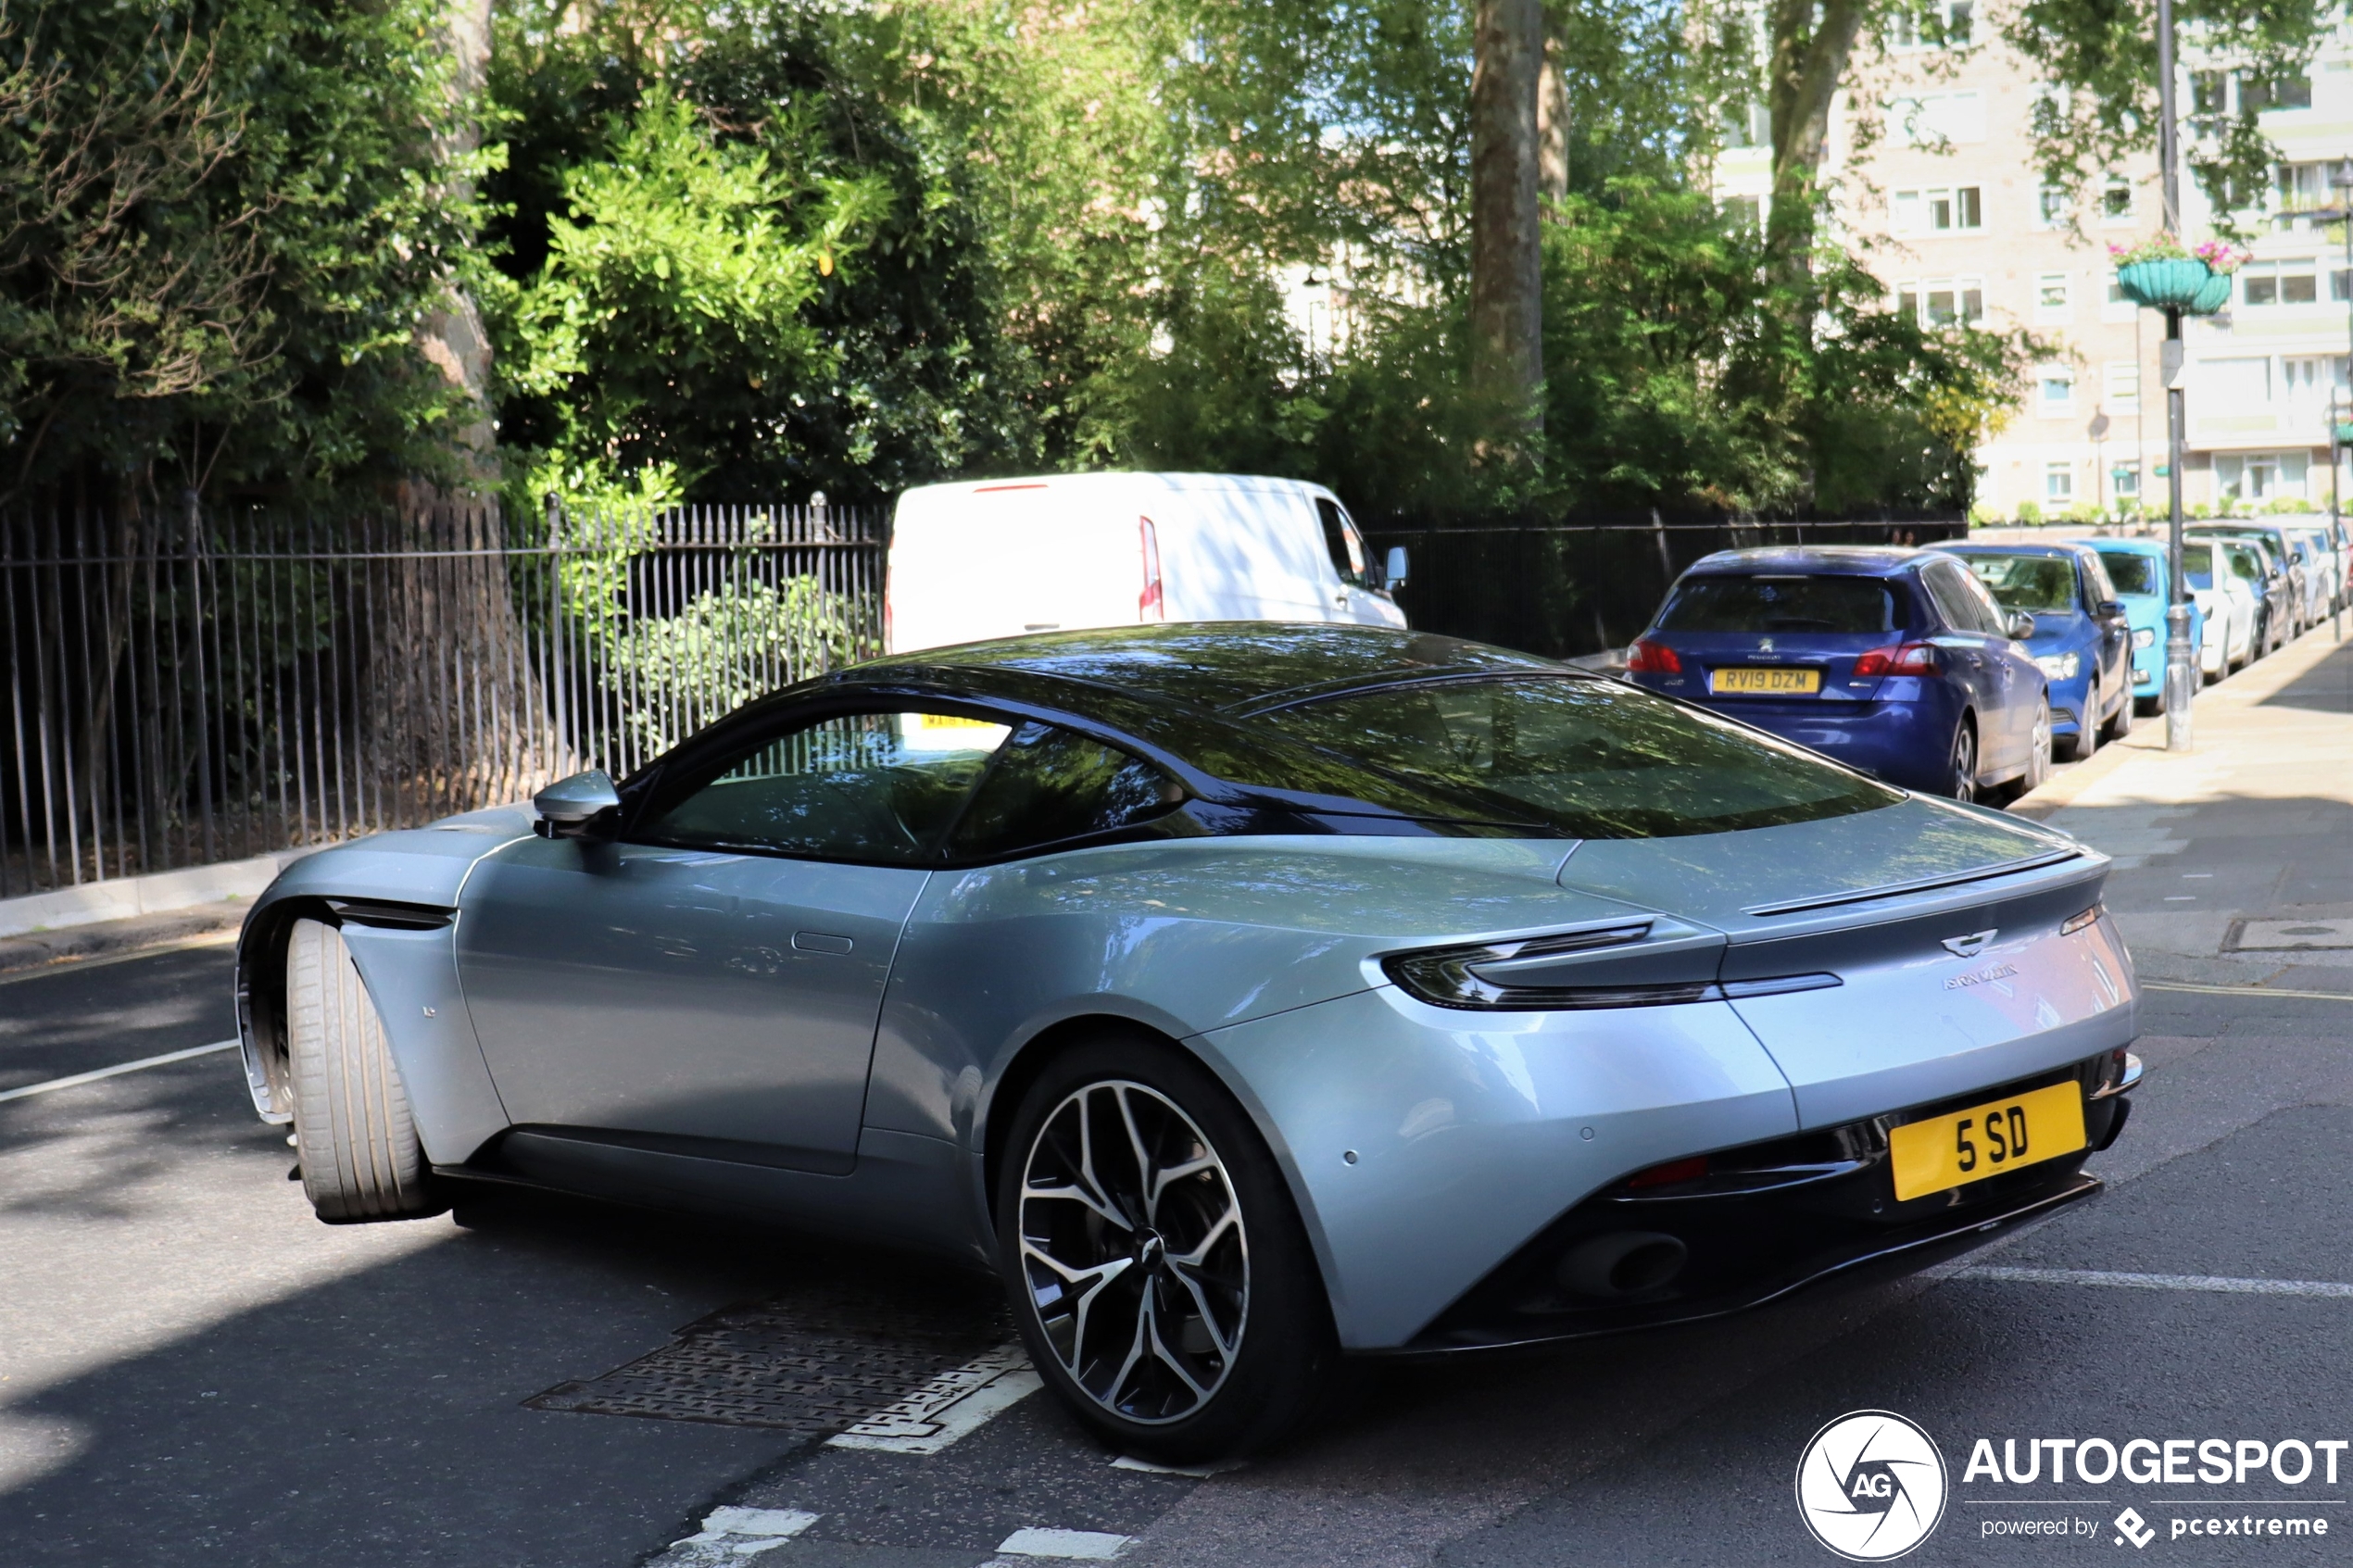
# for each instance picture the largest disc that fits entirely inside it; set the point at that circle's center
(814, 1367)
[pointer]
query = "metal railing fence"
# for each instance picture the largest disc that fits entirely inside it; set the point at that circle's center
(209, 687)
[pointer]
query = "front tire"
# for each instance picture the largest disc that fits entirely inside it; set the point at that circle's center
(1157, 1267)
(354, 1134)
(2121, 724)
(2038, 753)
(2086, 738)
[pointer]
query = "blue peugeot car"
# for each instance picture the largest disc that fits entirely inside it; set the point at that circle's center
(2138, 569)
(2083, 634)
(1894, 661)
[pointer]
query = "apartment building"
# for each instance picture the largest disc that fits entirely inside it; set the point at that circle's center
(1947, 206)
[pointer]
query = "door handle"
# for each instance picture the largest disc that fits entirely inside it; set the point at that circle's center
(820, 942)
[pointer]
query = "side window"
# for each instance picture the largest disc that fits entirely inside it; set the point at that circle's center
(1949, 586)
(1991, 618)
(1346, 546)
(2098, 581)
(1050, 784)
(860, 787)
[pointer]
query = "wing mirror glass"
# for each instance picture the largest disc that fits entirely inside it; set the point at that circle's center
(2111, 610)
(2021, 625)
(579, 807)
(1394, 569)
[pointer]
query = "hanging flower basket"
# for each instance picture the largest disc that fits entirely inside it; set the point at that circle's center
(2168, 283)
(2215, 294)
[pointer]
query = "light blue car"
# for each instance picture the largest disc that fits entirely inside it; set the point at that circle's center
(1245, 995)
(2138, 570)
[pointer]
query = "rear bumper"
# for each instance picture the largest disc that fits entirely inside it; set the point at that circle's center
(1765, 1221)
(1906, 741)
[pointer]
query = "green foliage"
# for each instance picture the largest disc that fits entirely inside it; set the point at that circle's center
(219, 228)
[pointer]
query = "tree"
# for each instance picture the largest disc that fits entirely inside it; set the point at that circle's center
(1506, 261)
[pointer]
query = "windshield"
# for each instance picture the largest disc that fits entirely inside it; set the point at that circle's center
(2197, 565)
(1593, 758)
(2037, 584)
(1781, 604)
(2132, 572)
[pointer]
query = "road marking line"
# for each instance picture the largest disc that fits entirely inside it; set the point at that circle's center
(2244, 991)
(1198, 1471)
(2160, 1282)
(120, 1068)
(950, 1406)
(1091, 1544)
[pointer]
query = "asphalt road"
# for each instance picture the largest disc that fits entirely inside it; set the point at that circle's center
(194, 1371)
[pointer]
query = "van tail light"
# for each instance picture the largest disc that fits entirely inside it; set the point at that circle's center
(1149, 604)
(1646, 657)
(1907, 659)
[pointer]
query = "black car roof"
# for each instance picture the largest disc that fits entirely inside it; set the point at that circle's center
(1212, 666)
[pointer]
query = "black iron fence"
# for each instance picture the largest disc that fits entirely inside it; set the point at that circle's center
(1567, 589)
(205, 687)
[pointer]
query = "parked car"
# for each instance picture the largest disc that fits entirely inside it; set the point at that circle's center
(2303, 574)
(1234, 993)
(1063, 552)
(2082, 636)
(2251, 563)
(2227, 606)
(2323, 564)
(1892, 661)
(2138, 570)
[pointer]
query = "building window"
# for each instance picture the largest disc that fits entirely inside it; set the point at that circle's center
(2050, 291)
(2236, 385)
(1943, 211)
(2123, 386)
(1743, 212)
(1943, 302)
(2257, 95)
(2313, 380)
(2125, 481)
(2116, 290)
(1934, 120)
(2116, 202)
(2059, 482)
(2279, 282)
(2339, 281)
(2260, 476)
(2050, 206)
(1945, 26)
(2057, 394)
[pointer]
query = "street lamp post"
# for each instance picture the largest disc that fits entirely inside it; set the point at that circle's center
(2340, 423)
(2181, 659)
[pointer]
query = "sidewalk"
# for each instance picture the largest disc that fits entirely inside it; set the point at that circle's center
(2234, 861)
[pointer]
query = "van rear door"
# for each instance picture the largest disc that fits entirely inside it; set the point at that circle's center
(996, 562)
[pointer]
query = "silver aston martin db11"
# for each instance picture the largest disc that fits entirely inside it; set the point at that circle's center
(1247, 996)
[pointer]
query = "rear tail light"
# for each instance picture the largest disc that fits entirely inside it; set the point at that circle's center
(2078, 921)
(1646, 657)
(1906, 658)
(1673, 1172)
(1149, 604)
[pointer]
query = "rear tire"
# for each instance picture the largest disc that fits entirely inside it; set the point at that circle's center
(1961, 767)
(1183, 1319)
(353, 1132)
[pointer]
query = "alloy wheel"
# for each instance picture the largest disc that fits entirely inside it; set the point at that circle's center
(2038, 756)
(1134, 1252)
(1964, 762)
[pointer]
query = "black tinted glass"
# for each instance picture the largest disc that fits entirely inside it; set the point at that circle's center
(1050, 784)
(2132, 572)
(1594, 758)
(2197, 565)
(867, 786)
(1781, 604)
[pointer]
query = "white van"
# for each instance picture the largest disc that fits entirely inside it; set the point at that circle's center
(998, 557)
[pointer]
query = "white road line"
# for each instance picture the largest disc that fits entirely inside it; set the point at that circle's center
(1198, 1471)
(1094, 1546)
(732, 1534)
(948, 1407)
(2160, 1282)
(120, 1068)
(2245, 991)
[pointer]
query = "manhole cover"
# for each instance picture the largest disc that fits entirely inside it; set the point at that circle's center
(814, 1368)
(2288, 935)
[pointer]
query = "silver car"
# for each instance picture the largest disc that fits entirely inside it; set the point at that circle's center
(1245, 996)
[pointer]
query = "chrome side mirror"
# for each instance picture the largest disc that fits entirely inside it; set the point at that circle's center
(1394, 569)
(576, 807)
(2021, 626)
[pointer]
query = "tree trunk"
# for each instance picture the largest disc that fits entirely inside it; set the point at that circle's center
(1551, 126)
(1812, 42)
(452, 336)
(1507, 304)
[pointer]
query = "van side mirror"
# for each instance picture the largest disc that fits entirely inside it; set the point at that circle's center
(583, 806)
(1393, 570)
(2021, 626)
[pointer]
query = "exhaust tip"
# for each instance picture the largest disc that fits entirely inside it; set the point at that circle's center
(1621, 1263)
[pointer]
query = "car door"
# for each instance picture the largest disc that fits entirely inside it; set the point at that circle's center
(707, 982)
(2116, 631)
(1360, 599)
(1979, 645)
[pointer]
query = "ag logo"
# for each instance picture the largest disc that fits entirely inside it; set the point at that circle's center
(1870, 1485)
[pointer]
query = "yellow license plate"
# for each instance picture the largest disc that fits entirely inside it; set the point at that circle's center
(1985, 1141)
(1803, 683)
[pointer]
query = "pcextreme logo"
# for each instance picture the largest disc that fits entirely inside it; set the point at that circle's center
(1871, 1485)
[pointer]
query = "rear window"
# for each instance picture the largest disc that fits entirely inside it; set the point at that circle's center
(1592, 759)
(2037, 584)
(1781, 604)
(2197, 565)
(2132, 572)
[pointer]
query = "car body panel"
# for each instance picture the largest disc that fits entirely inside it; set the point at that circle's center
(2145, 613)
(2304, 576)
